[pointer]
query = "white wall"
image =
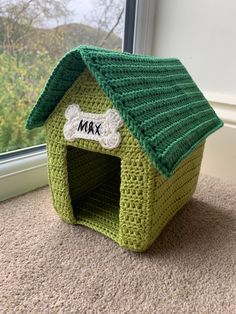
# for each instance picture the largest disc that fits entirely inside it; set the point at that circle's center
(202, 34)
(219, 159)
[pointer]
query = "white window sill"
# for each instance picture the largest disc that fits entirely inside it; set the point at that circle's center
(21, 172)
(224, 106)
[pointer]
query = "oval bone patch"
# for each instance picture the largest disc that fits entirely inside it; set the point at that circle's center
(93, 126)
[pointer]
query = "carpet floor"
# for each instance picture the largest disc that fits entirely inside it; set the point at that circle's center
(48, 266)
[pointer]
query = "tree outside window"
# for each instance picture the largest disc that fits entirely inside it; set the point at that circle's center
(34, 34)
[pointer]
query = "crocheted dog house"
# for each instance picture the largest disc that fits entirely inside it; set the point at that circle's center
(125, 137)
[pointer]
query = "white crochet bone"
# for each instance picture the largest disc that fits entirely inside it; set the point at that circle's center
(93, 126)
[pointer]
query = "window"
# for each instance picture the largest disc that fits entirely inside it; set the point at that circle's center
(34, 34)
(24, 168)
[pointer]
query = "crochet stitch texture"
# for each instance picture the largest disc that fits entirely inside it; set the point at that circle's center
(130, 192)
(157, 99)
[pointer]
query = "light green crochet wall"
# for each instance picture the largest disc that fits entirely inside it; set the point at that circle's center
(128, 200)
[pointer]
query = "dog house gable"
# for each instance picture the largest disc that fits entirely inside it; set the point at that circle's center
(90, 99)
(69, 179)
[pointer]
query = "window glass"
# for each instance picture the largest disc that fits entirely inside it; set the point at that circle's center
(34, 34)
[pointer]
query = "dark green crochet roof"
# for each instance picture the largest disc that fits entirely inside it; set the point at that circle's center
(157, 99)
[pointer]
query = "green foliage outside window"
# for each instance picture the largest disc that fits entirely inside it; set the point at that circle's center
(28, 53)
(21, 81)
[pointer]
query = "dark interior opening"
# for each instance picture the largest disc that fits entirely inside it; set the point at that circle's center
(94, 187)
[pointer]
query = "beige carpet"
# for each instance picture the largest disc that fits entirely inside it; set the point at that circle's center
(47, 266)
